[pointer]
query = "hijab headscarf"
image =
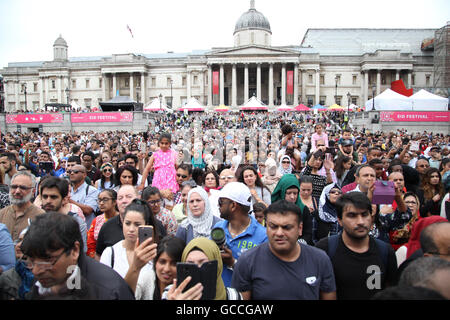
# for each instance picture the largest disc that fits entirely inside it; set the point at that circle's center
(327, 210)
(287, 181)
(281, 169)
(211, 250)
(201, 225)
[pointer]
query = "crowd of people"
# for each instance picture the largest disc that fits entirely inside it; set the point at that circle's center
(304, 209)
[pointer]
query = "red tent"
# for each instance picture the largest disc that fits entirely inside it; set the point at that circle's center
(301, 107)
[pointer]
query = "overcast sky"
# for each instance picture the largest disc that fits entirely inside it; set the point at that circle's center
(28, 28)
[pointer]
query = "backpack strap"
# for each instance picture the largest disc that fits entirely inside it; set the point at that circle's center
(383, 249)
(112, 257)
(332, 245)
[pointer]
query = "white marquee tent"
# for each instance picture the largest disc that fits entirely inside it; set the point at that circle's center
(390, 100)
(426, 101)
(193, 105)
(155, 105)
(254, 104)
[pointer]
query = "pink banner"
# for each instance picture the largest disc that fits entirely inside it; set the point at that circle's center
(216, 82)
(102, 117)
(410, 116)
(34, 118)
(290, 82)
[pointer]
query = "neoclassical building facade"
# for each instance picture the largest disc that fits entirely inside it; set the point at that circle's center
(328, 66)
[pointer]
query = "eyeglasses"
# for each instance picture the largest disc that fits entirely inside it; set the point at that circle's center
(46, 265)
(227, 177)
(107, 170)
(103, 200)
(285, 162)
(335, 192)
(23, 188)
(182, 176)
(154, 202)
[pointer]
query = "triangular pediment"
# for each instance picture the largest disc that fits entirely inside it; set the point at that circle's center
(251, 51)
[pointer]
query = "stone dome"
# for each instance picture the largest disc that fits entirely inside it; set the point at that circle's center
(252, 19)
(60, 42)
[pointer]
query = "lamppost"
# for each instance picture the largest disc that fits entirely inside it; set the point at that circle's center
(24, 90)
(335, 95)
(171, 96)
(374, 88)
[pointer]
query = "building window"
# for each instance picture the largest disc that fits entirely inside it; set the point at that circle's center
(427, 80)
(35, 85)
(169, 79)
(354, 80)
(74, 84)
(322, 79)
(87, 83)
(355, 101)
(100, 82)
(337, 79)
(153, 82)
(310, 100)
(195, 80)
(53, 84)
(127, 83)
(183, 82)
(323, 100)
(310, 78)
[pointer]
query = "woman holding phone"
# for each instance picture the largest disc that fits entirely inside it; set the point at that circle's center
(200, 251)
(130, 258)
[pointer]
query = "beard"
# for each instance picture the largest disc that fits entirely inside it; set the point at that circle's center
(20, 202)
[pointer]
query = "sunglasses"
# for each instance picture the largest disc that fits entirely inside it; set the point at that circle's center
(227, 177)
(107, 170)
(182, 176)
(285, 162)
(74, 171)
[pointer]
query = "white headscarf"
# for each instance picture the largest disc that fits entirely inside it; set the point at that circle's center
(201, 225)
(281, 168)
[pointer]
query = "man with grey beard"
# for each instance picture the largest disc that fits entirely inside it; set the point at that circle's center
(18, 215)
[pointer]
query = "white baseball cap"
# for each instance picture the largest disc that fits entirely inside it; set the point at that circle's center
(238, 192)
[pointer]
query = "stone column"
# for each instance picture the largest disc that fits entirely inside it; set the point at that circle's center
(271, 85)
(59, 89)
(378, 81)
(41, 92)
(317, 93)
(361, 96)
(295, 85)
(233, 87)
(16, 93)
(210, 85)
(114, 85)
(104, 84)
(366, 87)
(221, 85)
(397, 74)
(143, 89)
(202, 86)
(46, 90)
(409, 79)
(246, 83)
(304, 75)
(258, 81)
(131, 86)
(188, 85)
(283, 84)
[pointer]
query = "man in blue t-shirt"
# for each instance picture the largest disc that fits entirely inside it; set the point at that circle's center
(283, 268)
(242, 230)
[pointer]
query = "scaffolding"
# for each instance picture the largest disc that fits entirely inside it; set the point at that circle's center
(441, 82)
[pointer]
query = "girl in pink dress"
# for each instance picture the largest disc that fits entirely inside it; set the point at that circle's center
(164, 163)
